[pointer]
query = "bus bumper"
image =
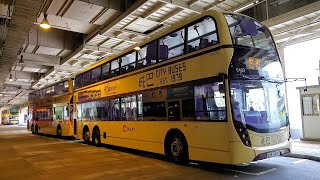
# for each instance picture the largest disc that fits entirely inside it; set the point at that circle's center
(243, 154)
(272, 151)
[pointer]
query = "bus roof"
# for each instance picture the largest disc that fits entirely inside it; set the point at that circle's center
(65, 79)
(154, 37)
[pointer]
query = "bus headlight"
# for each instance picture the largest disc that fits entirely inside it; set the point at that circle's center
(243, 133)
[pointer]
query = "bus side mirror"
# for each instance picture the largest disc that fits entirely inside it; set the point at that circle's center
(221, 88)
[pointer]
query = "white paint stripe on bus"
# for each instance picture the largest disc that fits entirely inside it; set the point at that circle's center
(300, 161)
(254, 174)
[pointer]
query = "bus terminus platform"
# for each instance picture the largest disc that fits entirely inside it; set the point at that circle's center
(209, 88)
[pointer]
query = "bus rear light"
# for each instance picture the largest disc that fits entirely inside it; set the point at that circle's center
(243, 133)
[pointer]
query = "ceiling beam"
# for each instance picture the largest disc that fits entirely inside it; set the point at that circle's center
(18, 24)
(105, 28)
(192, 2)
(294, 27)
(291, 36)
(291, 15)
(40, 59)
(242, 5)
(153, 10)
(113, 4)
(183, 5)
(132, 8)
(99, 48)
(169, 15)
(6, 2)
(55, 38)
(33, 66)
(303, 39)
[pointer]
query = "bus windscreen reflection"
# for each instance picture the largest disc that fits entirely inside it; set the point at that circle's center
(259, 105)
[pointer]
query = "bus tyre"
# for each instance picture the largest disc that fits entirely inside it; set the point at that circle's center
(59, 132)
(36, 131)
(178, 149)
(32, 129)
(96, 137)
(86, 135)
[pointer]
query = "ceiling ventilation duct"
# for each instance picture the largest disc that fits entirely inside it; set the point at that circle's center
(22, 18)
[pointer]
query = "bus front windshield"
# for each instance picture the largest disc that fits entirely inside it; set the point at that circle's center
(255, 76)
(258, 104)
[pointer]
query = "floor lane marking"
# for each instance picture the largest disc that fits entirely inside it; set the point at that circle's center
(78, 140)
(43, 144)
(254, 174)
(300, 161)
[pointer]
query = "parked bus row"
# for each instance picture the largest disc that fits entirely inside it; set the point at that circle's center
(210, 88)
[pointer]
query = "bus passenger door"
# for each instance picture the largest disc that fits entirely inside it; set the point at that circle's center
(174, 111)
(73, 118)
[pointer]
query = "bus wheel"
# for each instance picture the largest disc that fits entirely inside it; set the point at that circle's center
(59, 132)
(86, 135)
(96, 137)
(32, 129)
(36, 131)
(178, 149)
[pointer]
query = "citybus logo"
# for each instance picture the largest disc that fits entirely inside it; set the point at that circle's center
(109, 89)
(127, 129)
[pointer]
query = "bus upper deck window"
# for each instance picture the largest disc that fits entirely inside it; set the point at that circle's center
(114, 68)
(86, 78)
(128, 62)
(151, 53)
(172, 45)
(202, 34)
(95, 74)
(105, 71)
(78, 81)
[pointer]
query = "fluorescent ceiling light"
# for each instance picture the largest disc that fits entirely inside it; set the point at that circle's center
(244, 7)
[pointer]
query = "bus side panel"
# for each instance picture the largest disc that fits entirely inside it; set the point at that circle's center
(150, 136)
(67, 128)
(241, 153)
(208, 141)
(208, 155)
(43, 126)
(147, 136)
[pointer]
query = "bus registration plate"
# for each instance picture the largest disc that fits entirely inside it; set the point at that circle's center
(273, 154)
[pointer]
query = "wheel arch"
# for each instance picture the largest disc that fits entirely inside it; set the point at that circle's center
(96, 128)
(85, 127)
(169, 134)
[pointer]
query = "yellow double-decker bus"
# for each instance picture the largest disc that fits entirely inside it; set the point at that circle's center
(5, 117)
(209, 89)
(10, 116)
(50, 109)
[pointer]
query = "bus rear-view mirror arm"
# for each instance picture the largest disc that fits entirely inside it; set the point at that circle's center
(298, 79)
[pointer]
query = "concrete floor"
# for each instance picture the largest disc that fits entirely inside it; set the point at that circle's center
(27, 156)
